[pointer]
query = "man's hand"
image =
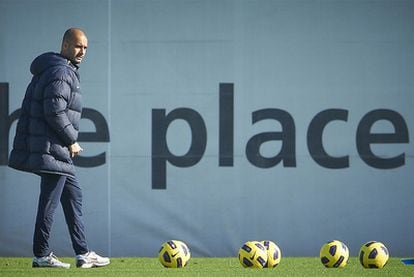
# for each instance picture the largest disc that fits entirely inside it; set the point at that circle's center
(75, 149)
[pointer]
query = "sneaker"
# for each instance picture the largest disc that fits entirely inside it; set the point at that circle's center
(91, 259)
(49, 261)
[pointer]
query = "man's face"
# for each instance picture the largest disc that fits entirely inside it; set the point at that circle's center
(75, 50)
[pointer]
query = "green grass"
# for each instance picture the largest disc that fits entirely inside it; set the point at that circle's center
(203, 267)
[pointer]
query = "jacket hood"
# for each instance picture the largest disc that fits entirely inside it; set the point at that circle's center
(47, 60)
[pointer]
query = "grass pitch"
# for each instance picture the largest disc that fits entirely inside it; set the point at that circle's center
(203, 267)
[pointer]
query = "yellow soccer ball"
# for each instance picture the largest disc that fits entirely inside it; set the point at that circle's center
(274, 255)
(373, 254)
(253, 255)
(334, 254)
(174, 254)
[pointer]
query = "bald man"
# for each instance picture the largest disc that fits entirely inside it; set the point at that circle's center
(46, 142)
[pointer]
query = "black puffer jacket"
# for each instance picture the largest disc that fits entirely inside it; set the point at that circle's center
(49, 120)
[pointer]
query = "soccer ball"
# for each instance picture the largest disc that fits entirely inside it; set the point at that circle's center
(273, 253)
(334, 254)
(373, 254)
(253, 254)
(174, 253)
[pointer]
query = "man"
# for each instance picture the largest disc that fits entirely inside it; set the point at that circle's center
(46, 142)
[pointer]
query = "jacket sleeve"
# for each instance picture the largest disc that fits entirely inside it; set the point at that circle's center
(55, 101)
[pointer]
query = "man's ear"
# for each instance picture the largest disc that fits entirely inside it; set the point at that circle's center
(65, 45)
